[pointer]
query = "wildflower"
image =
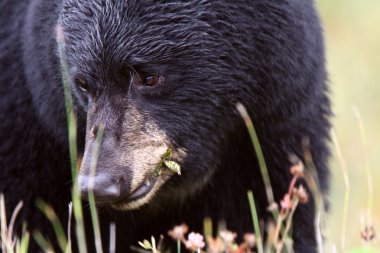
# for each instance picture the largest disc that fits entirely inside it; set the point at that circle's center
(297, 169)
(250, 240)
(302, 195)
(178, 232)
(272, 207)
(286, 202)
(368, 233)
(195, 241)
(215, 245)
(228, 237)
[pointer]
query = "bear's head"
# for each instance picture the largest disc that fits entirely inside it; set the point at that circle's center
(156, 76)
(151, 77)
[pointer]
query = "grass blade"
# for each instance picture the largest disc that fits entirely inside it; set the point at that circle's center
(112, 238)
(42, 242)
(312, 181)
(259, 154)
(57, 226)
(347, 190)
(24, 243)
(363, 136)
(255, 220)
(13, 219)
(72, 134)
(3, 220)
(78, 215)
(91, 198)
(68, 248)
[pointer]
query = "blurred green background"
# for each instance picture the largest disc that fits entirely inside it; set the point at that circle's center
(352, 33)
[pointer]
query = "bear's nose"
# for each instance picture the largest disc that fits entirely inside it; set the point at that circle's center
(104, 188)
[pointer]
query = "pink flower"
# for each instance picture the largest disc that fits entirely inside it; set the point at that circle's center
(215, 245)
(250, 239)
(195, 241)
(178, 232)
(228, 237)
(286, 202)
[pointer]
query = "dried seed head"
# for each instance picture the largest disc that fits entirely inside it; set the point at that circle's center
(368, 233)
(302, 194)
(297, 169)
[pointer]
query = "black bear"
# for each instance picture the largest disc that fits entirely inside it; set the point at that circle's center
(159, 75)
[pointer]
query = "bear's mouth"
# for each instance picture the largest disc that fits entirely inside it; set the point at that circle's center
(144, 192)
(139, 196)
(143, 189)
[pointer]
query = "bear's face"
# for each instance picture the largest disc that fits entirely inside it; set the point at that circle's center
(150, 76)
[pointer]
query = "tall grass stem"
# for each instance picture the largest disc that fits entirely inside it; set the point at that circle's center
(72, 135)
(3, 220)
(42, 242)
(255, 220)
(12, 222)
(91, 198)
(54, 220)
(69, 224)
(312, 181)
(24, 244)
(363, 135)
(259, 153)
(344, 170)
(112, 237)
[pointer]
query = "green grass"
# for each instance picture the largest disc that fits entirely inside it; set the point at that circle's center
(72, 134)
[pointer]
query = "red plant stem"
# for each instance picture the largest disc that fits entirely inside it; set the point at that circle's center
(292, 184)
(290, 190)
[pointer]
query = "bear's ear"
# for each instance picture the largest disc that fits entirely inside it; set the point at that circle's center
(59, 34)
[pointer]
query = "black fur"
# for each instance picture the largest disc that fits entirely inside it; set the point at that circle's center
(266, 54)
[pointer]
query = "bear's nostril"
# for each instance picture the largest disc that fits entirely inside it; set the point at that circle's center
(104, 188)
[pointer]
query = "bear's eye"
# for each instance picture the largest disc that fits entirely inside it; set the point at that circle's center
(151, 80)
(82, 84)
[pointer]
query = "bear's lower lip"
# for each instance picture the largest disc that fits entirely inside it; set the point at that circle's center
(142, 190)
